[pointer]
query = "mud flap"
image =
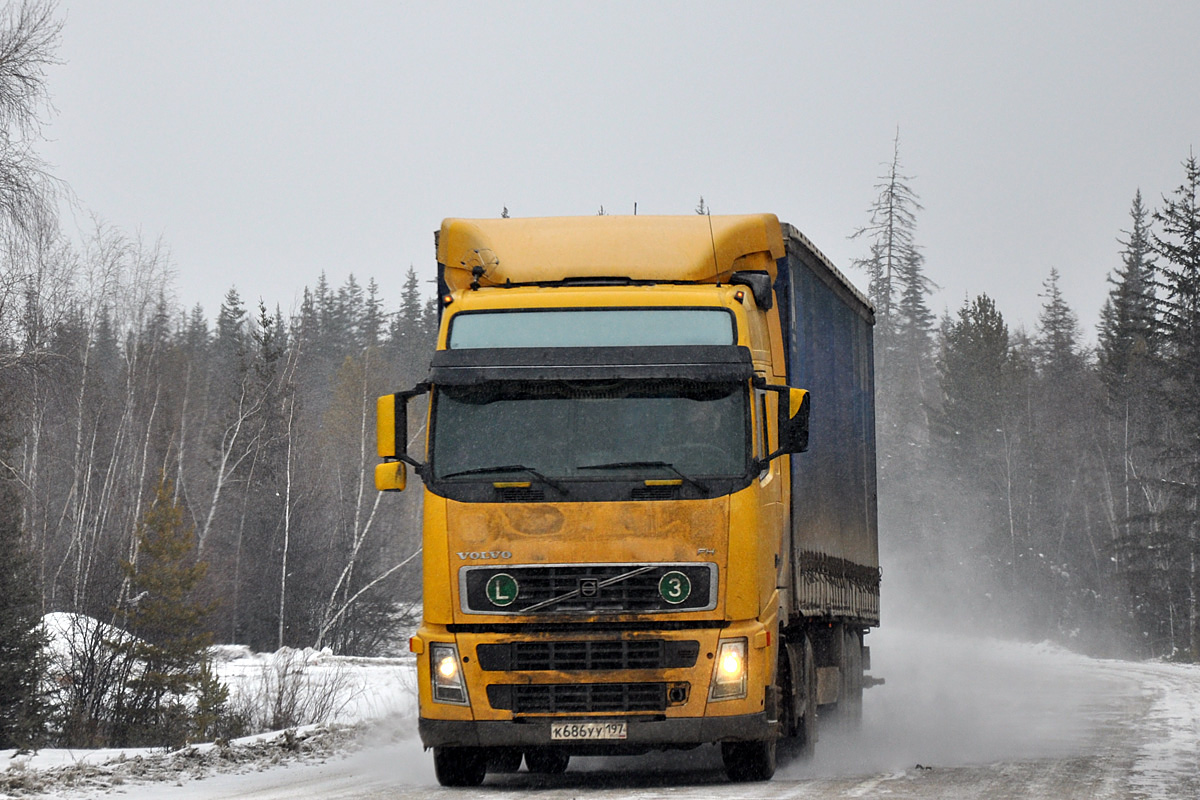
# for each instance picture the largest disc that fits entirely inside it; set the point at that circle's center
(829, 685)
(772, 703)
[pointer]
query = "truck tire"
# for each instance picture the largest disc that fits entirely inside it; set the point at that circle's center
(851, 691)
(504, 760)
(749, 761)
(547, 760)
(459, 766)
(805, 685)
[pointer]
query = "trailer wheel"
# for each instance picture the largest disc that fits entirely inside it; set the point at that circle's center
(749, 761)
(851, 699)
(547, 760)
(459, 766)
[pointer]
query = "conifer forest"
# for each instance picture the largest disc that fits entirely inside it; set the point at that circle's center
(1049, 476)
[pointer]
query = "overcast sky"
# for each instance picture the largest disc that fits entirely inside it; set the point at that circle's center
(266, 142)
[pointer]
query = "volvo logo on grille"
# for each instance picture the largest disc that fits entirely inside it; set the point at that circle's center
(589, 587)
(483, 555)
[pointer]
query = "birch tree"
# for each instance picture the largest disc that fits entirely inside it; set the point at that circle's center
(29, 37)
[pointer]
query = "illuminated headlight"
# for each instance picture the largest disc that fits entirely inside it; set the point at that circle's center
(729, 671)
(446, 673)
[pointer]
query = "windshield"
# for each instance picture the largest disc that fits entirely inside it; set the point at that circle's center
(599, 327)
(594, 430)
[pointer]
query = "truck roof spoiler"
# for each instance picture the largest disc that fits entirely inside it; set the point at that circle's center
(689, 248)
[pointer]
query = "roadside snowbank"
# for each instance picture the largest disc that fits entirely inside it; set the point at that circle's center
(1169, 761)
(316, 686)
(342, 697)
(79, 773)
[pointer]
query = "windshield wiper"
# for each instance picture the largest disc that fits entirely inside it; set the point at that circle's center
(511, 468)
(648, 464)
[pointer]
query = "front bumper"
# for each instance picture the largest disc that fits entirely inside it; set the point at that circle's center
(642, 734)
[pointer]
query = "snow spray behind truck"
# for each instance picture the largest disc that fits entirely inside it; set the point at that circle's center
(631, 539)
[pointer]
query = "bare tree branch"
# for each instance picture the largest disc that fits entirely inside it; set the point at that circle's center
(29, 37)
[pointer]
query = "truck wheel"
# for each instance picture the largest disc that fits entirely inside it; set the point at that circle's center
(806, 686)
(852, 669)
(504, 760)
(749, 761)
(848, 711)
(459, 766)
(547, 760)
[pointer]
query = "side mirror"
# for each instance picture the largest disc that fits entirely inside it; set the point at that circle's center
(391, 476)
(391, 439)
(391, 415)
(793, 421)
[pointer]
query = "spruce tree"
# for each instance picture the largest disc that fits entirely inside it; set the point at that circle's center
(904, 372)
(169, 637)
(350, 309)
(1064, 570)
(408, 341)
(970, 431)
(1178, 302)
(430, 318)
(231, 326)
(1059, 350)
(196, 337)
(898, 288)
(266, 518)
(373, 316)
(894, 265)
(1126, 348)
(1125, 333)
(974, 357)
(410, 306)
(22, 708)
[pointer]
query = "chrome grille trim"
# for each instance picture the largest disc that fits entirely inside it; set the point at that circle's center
(555, 588)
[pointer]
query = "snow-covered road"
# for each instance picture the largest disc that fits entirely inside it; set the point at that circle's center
(958, 718)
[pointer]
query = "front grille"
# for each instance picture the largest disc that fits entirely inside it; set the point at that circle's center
(588, 588)
(578, 698)
(585, 655)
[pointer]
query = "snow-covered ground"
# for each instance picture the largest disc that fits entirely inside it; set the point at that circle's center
(958, 717)
(1169, 756)
(342, 698)
(333, 689)
(308, 685)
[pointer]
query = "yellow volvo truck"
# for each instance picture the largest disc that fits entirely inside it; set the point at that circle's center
(648, 463)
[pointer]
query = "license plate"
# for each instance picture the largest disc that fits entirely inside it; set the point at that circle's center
(587, 731)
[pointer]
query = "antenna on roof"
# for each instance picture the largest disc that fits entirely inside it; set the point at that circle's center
(712, 238)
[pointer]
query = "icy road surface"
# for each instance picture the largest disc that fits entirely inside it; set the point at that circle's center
(958, 718)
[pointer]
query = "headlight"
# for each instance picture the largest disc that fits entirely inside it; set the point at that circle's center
(446, 673)
(729, 671)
